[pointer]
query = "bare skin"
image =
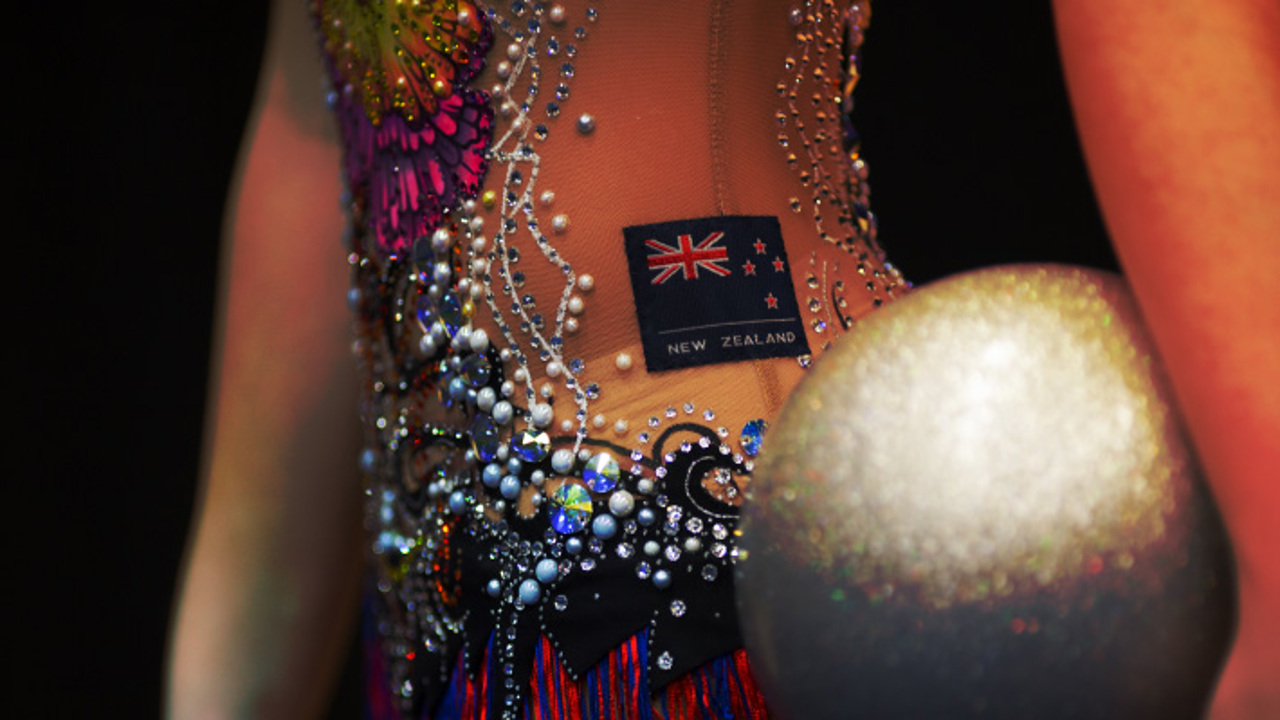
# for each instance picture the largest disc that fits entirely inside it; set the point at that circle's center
(272, 574)
(1178, 104)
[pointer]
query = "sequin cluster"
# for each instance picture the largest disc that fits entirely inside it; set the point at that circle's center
(814, 124)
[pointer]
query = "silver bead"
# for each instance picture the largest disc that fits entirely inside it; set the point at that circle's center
(586, 124)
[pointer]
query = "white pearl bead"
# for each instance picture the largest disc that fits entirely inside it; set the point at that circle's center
(598, 421)
(441, 240)
(571, 325)
(547, 390)
(469, 205)
(479, 340)
(547, 198)
(576, 305)
(486, 398)
(560, 223)
(566, 426)
(620, 427)
(503, 69)
(586, 282)
(554, 369)
(520, 375)
(541, 414)
(514, 50)
(507, 388)
(623, 361)
(502, 411)
(477, 224)
(556, 14)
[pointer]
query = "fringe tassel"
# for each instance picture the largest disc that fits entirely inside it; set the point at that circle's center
(615, 689)
(723, 689)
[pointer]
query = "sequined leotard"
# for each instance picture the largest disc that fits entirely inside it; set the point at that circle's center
(531, 556)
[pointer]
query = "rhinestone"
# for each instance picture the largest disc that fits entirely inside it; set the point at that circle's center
(678, 608)
(531, 445)
(601, 473)
(570, 508)
(752, 436)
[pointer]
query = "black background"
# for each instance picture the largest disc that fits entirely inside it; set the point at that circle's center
(122, 124)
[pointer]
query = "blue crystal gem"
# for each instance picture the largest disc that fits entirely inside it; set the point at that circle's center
(752, 436)
(426, 311)
(475, 370)
(484, 438)
(601, 472)
(531, 445)
(570, 508)
(451, 313)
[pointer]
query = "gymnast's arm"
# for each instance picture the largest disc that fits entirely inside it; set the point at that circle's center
(1178, 105)
(271, 578)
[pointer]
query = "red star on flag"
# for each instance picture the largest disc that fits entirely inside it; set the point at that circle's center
(771, 301)
(778, 265)
(748, 268)
(759, 246)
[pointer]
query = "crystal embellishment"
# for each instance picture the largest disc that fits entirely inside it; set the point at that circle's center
(601, 473)
(752, 436)
(570, 508)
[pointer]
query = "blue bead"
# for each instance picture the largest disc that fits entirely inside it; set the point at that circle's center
(457, 388)
(494, 588)
(752, 436)
(546, 570)
(491, 475)
(514, 466)
(573, 545)
(604, 526)
(484, 438)
(510, 487)
(530, 591)
(457, 502)
(368, 460)
(646, 517)
(662, 579)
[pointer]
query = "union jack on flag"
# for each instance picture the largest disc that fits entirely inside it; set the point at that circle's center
(670, 259)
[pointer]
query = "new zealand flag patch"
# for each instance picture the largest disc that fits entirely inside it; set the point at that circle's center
(713, 290)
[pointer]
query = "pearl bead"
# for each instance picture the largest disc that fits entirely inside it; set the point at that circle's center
(661, 578)
(562, 461)
(547, 198)
(541, 414)
(571, 325)
(621, 503)
(502, 412)
(514, 50)
(507, 388)
(556, 14)
(494, 588)
(546, 570)
(464, 16)
(620, 427)
(560, 223)
(604, 526)
(520, 375)
(503, 69)
(586, 282)
(486, 398)
(479, 340)
(598, 421)
(586, 124)
(566, 426)
(530, 591)
(547, 390)
(576, 305)
(477, 224)
(623, 361)
(441, 240)
(554, 369)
